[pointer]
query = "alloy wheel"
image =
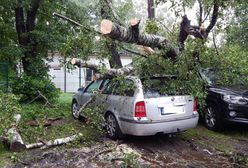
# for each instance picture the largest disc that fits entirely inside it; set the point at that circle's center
(75, 111)
(111, 125)
(210, 117)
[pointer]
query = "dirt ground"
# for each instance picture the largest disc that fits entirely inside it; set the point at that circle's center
(155, 151)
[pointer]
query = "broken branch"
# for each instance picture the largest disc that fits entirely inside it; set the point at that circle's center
(110, 73)
(55, 142)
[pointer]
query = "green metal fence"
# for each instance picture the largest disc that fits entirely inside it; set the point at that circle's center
(4, 76)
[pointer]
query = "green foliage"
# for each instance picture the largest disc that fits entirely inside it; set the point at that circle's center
(230, 63)
(27, 88)
(9, 106)
(237, 33)
(151, 27)
(94, 114)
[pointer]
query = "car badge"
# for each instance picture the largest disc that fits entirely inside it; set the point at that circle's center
(173, 98)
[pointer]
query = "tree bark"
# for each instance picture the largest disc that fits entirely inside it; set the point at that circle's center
(55, 142)
(117, 32)
(214, 17)
(23, 29)
(106, 13)
(151, 9)
(12, 137)
(110, 73)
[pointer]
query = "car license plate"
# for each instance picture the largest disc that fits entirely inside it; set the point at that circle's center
(174, 110)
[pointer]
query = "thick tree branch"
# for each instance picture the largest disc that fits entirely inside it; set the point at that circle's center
(117, 32)
(115, 60)
(110, 73)
(187, 29)
(214, 16)
(106, 13)
(20, 23)
(200, 13)
(31, 14)
(90, 30)
(151, 9)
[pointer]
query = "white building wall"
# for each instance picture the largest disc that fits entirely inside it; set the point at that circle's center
(71, 84)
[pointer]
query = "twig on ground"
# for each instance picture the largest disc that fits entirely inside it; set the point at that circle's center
(152, 161)
(104, 151)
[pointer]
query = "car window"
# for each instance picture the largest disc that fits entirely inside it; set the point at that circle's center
(94, 86)
(104, 84)
(108, 88)
(160, 86)
(125, 88)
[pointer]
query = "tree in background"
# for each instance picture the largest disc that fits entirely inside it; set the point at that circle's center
(29, 32)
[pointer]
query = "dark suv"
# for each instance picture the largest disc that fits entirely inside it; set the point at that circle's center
(225, 104)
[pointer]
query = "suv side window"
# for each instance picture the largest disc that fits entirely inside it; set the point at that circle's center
(94, 86)
(125, 88)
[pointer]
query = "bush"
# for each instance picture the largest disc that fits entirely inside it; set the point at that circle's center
(27, 88)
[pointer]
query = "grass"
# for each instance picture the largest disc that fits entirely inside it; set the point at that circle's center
(220, 141)
(67, 126)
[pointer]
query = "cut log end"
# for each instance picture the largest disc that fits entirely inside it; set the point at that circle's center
(106, 26)
(134, 22)
(73, 61)
(17, 146)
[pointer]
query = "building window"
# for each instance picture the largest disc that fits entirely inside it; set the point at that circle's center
(89, 74)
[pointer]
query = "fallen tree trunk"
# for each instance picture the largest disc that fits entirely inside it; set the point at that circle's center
(12, 137)
(131, 35)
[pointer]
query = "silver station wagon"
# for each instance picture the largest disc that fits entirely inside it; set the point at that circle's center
(137, 109)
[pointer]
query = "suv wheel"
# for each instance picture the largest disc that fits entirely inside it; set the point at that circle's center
(212, 118)
(74, 110)
(112, 127)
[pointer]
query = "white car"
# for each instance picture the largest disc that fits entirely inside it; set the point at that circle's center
(139, 110)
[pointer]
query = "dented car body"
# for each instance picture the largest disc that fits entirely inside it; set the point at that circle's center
(140, 110)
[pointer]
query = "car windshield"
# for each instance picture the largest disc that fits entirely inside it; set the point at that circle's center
(159, 86)
(214, 77)
(210, 76)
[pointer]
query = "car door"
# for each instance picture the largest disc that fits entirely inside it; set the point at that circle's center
(89, 91)
(121, 100)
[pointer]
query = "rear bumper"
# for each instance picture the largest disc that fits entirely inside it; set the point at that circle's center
(133, 127)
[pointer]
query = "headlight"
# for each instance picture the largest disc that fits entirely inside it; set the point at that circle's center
(235, 99)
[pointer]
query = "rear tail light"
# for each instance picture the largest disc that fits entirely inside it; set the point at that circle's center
(195, 106)
(140, 109)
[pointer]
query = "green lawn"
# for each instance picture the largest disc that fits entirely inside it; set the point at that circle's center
(65, 127)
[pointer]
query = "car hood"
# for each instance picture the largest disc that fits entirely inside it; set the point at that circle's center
(229, 90)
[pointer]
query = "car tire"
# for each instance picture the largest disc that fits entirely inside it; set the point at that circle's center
(112, 127)
(74, 110)
(212, 118)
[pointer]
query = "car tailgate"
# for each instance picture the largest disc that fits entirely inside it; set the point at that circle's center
(171, 107)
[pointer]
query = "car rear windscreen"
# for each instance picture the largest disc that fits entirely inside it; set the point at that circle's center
(160, 86)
